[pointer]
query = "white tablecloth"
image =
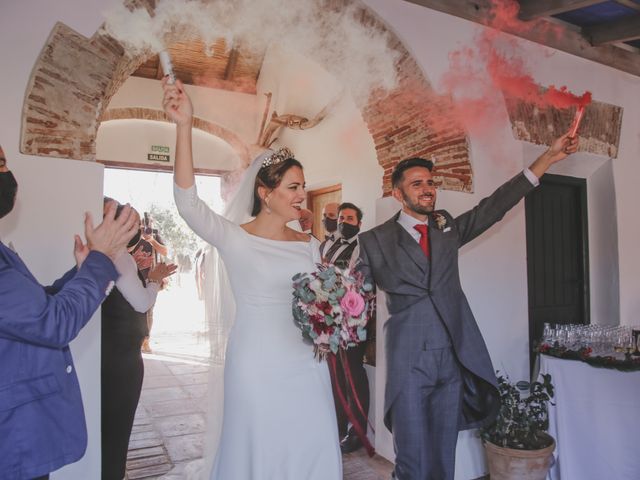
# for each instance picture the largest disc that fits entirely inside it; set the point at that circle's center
(596, 421)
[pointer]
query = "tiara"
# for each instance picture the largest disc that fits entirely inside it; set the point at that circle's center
(277, 157)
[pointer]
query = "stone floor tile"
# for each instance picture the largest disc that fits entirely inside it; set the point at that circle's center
(184, 447)
(138, 443)
(164, 394)
(155, 368)
(181, 369)
(157, 381)
(196, 391)
(174, 407)
(193, 378)
(181, 424)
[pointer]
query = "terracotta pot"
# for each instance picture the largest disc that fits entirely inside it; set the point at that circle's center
(512, 464)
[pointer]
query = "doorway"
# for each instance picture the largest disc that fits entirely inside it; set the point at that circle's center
(179, 328)
(557, 254)
(316, 200)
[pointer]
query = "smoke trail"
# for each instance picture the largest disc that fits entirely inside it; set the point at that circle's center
(496, 64)
(359, 56)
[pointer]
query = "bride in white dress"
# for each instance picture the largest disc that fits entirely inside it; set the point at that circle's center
(278, 419)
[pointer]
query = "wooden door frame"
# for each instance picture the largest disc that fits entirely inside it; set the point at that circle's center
(322, 191)
(312, 194)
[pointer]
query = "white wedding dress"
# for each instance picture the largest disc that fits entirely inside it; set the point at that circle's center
(279, 418)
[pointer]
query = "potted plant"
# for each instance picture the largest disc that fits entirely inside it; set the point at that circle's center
(517, 443)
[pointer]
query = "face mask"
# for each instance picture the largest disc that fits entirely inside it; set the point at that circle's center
(8, 189)
(347, 230)
(330, 224)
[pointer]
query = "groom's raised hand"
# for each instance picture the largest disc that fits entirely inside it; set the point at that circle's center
(560, 149)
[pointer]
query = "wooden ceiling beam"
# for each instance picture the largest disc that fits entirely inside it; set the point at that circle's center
(231, 64)
(629, 4)
(568, 41)
(622, 30)
(530, 9)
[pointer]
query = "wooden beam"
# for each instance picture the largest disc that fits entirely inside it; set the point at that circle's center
(530, 9)
(622, 30)
(567, 40)
(231, 64)
(629, 4)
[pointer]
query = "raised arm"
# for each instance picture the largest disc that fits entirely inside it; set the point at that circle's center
(30, 314)
(493, 208)
(208, 225)
(177, 105)
(560, 149)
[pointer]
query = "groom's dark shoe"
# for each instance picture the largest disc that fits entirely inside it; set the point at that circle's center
(350, 443)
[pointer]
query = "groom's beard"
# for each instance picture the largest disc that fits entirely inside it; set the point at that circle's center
(414, 207)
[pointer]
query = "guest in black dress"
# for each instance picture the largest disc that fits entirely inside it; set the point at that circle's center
(124, 326)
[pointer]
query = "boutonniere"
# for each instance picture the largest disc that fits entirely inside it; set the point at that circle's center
(441, 221)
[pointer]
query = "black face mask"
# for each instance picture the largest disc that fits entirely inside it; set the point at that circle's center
(330, 224)
(8, 190)
(347, 230)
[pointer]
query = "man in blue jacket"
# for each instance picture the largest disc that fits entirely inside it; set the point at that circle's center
(42, 426)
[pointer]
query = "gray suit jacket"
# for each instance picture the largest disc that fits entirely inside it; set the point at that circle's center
(417, 288)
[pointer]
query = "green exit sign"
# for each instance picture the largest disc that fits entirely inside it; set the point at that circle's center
(159, 153)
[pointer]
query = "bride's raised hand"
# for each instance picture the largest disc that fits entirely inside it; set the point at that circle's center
(176, 103)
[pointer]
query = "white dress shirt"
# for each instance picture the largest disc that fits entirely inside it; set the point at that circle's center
(326, 245)
(408, 222)
(345, 243)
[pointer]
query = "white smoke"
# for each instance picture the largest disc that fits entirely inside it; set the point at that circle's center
(358, 56)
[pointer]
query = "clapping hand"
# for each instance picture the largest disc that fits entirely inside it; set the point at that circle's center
(143, 259)
(112, 235)
(176, 103)
(80, 251)
(161, 271)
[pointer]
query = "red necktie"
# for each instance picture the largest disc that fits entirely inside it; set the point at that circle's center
(424, 241)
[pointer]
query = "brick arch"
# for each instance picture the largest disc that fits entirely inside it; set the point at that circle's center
(75, 78)
(140, 113)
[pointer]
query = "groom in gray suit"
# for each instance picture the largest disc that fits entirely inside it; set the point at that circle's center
(439, 375)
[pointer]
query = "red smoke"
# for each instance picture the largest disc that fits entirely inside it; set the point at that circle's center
(496, 63)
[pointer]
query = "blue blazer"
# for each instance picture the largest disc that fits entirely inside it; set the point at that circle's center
(42, 426)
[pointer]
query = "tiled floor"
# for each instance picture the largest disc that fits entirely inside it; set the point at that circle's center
(170, 421)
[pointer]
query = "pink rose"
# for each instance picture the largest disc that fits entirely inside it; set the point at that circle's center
(352, 303)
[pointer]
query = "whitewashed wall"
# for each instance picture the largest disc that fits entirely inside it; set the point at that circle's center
(339, 149)
(493, 267)
(131, 140)
(53, 193)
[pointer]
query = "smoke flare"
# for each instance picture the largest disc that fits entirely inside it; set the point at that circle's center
(359, 56)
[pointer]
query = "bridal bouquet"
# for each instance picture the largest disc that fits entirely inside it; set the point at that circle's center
(332, 307)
